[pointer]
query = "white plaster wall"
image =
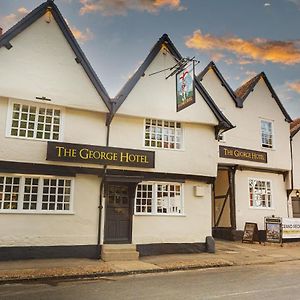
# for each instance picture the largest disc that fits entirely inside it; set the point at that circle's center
(258, 105)
(79, 228)
(244, 213)
(155, 97)
(79, 126)
(193, 227)
(41, 63)
(199, 156)
(296, 160)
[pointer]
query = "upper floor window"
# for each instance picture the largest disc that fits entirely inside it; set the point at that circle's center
(260, 193)
(35, 194)
(163, 134)
(267, 135)
(159, 198)
(34, 122)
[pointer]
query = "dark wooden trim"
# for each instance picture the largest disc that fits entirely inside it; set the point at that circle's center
(231, 174)
(123, 175)
(170, 248)
(45, 169)
(33, 252)
(158, 176)
(262, 170)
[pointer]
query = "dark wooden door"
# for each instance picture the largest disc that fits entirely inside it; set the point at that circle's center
(118, 213)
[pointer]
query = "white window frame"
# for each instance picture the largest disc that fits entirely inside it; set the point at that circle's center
(154, 199)
(39, 209)
(163, 148)
(272, 134)
(253, 200)
(38, 105)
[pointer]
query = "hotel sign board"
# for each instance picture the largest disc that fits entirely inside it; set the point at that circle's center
(91, 154)
(243, 154)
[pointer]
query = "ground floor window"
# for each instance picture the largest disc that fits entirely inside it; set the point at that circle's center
(35, 193)
(260, 193)
(159, 198)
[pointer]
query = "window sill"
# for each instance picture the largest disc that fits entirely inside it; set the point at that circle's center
(9, 212)
(164, 149)
(31, 139)
(262, 208)
(157, 215)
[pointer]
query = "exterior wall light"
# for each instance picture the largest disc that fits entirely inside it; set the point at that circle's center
(297, 193)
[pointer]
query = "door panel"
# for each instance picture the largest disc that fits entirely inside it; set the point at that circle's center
(118, 215)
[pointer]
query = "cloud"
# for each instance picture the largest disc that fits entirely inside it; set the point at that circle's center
(295, 86)
(82, 36)
(120, 7)
(257, 50)
(9, 20)
(296, 2)
(267, 4)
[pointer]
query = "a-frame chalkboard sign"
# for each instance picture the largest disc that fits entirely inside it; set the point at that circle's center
(250, 233)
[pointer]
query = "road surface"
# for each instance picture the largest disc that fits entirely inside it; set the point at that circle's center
(276, 281)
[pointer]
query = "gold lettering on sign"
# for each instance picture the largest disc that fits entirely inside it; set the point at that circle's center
(244, 154)
(65, 152)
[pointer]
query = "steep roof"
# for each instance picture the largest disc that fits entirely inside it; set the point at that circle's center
(130, 84)
(212, 66)
(295, 127)
(34, 15)
(243, 91)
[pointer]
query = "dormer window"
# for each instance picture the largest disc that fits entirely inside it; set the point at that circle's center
(267, 134)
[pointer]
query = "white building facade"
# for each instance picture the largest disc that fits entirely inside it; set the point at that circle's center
(79, 170)
(254, 161)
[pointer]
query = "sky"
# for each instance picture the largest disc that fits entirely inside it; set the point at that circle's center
(242, 37)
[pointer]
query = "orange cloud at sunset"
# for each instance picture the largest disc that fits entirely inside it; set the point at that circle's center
(120, 7)
(263, 50)
(9, 20)
(295, 86)
(82, 36)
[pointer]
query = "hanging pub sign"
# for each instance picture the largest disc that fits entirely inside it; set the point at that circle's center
(273, 226)
(185, 88)
(91, 154)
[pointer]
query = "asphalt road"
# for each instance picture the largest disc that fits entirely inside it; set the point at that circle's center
(276, 281)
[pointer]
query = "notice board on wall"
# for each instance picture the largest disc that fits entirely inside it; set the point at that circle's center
(250, 233)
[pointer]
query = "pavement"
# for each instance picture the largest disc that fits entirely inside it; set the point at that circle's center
(228, 254)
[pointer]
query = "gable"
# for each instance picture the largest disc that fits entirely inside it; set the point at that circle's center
(41, 63)
(217, 90)
(261, 102)
(154, 96)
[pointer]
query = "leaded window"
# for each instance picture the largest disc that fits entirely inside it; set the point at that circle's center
(159, 198)
(163, 134)
(267, 139)
(260, 193)
(35, 194)
(35, 122)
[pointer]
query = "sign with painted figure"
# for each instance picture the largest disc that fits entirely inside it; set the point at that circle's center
(291, 228)
(185, 88)
(91, 154)
(273, 226)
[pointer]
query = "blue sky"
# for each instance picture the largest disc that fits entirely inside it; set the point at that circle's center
(243, 37)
